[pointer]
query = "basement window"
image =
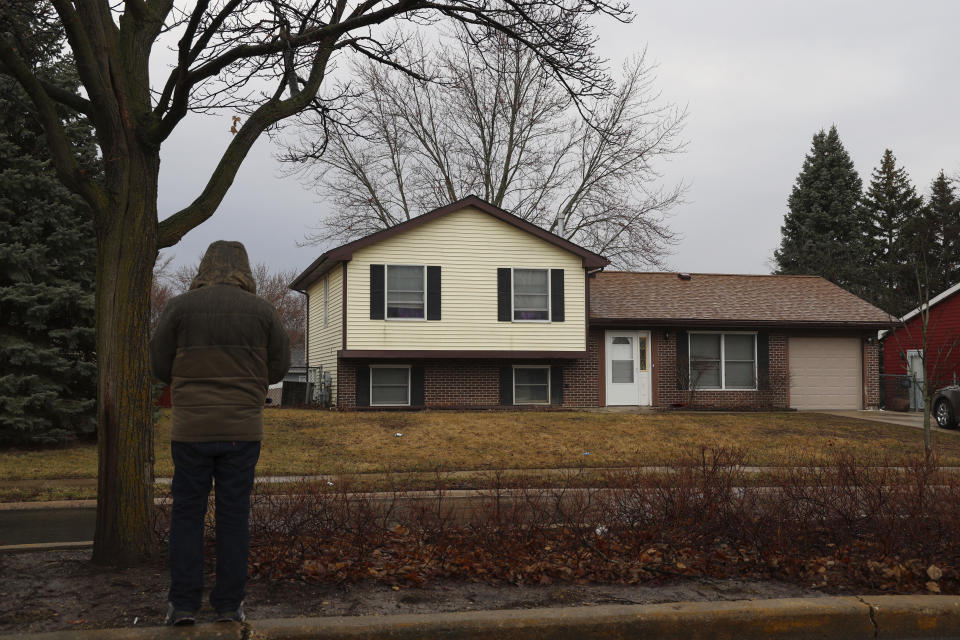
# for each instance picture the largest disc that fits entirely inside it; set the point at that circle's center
(531, 385)
(389, 385)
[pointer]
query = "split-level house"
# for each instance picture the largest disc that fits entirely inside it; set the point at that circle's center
(471, 306)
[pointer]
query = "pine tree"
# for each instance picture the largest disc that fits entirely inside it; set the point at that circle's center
(820, 234)
(48, 372)
(942, 214)
(890, 206)
(930, 242)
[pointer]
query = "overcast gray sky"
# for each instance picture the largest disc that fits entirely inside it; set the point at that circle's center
(759, 78)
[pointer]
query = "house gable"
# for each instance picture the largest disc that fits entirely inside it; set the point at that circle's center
(327, 260)
(469, 246)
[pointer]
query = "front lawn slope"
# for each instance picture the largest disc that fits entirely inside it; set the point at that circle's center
(302, 442)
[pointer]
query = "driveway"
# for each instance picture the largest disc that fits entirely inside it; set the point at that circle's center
(905, 419)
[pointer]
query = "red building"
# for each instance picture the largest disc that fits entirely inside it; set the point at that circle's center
(903, 351)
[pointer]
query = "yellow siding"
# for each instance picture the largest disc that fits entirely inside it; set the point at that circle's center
(325, 341)
(469, 246)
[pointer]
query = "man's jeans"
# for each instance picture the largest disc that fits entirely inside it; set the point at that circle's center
(231, 464)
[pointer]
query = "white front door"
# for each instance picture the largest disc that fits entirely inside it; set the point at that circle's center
(628, 367)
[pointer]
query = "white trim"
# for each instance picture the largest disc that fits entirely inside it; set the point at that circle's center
(643, 378)
(514, 384)
(926, 305)
(723, 361)
(409, 384)
(386, 293)
(513, 294)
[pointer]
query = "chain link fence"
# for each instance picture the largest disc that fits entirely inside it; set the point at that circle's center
(302, 387)
(900, 392)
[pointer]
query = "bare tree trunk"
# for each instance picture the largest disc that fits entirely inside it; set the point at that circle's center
(125, 418)
(220, 48)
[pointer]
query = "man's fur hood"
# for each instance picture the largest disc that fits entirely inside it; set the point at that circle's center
(225, 262)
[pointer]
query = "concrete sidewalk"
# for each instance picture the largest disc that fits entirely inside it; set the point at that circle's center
(839, 618)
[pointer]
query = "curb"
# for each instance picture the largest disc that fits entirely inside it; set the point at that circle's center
(840, 618)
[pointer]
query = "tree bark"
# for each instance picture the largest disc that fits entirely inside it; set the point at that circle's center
(126, 237)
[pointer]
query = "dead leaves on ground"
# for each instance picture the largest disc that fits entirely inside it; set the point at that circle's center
(404, 559)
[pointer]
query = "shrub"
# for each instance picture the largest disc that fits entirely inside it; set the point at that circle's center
(839, 526)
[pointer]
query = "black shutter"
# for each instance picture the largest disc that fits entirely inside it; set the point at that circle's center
(377, 286)
(556, 295)
(433, 293)
(504, 310)
(506, 385)
(556, 385)
(683, 361)
(363, 385)
(763, 360)
(416, 387)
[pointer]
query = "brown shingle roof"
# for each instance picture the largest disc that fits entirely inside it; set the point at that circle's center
(730, 300)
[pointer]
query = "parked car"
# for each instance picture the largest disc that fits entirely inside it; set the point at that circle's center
(946, 406)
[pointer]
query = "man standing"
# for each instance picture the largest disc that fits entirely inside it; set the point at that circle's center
(219, 346)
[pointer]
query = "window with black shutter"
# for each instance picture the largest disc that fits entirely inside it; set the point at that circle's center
(504, 302)
(377, 291)
(556, 385)
(417, 395)
(763, 360)
(506, 385)
(683, 360)
(433, 293)
(556, 295)
(363, 385)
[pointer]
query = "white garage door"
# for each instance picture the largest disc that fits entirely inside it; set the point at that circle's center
(825, 373)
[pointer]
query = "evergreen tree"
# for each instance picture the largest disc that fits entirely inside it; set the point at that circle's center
(890, 208)
(943, 217)
(931, 260)
(48, 373)
(820, 234)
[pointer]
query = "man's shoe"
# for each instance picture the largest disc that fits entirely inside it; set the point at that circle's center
(232, 616)
(179, 617)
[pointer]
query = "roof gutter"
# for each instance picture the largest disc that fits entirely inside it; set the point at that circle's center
(739, 323)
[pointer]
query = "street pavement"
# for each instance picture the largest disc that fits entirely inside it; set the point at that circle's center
(31, 526)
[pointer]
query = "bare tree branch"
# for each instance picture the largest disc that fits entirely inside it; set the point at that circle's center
(266, 60)
(494, 122)
(272, 111)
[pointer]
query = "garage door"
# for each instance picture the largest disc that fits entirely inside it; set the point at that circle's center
(825, 373)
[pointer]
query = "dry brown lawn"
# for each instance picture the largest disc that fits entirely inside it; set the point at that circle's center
(323, 442)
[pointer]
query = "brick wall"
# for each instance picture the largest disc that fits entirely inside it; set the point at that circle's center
(871, 358)
(775, 397)
(476, 383)
(346, 384)
(461, 383)
(581, 378)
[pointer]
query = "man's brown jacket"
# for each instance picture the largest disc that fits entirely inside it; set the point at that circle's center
(219, 345)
